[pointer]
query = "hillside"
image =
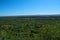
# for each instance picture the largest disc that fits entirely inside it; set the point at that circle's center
(30, 28)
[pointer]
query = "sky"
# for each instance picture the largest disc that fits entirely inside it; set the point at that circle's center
(29, 7)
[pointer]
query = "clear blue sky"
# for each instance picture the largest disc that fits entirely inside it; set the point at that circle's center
(29, 7)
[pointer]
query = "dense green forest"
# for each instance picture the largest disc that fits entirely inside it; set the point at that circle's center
(29, 28)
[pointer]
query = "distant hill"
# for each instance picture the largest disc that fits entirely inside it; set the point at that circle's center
(34, 16)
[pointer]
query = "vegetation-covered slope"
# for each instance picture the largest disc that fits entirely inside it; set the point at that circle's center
(18, 28)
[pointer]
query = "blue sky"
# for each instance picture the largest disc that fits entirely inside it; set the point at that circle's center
(29, 7)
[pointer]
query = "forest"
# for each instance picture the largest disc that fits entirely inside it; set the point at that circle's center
(30, 28)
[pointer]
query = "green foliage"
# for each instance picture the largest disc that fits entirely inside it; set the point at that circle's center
(29, 29)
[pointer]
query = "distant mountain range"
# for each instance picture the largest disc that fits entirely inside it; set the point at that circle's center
(33, 16)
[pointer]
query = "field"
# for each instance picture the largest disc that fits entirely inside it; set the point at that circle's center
(30, 28)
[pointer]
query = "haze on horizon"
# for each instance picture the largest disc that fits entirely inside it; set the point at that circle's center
(29, 7)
